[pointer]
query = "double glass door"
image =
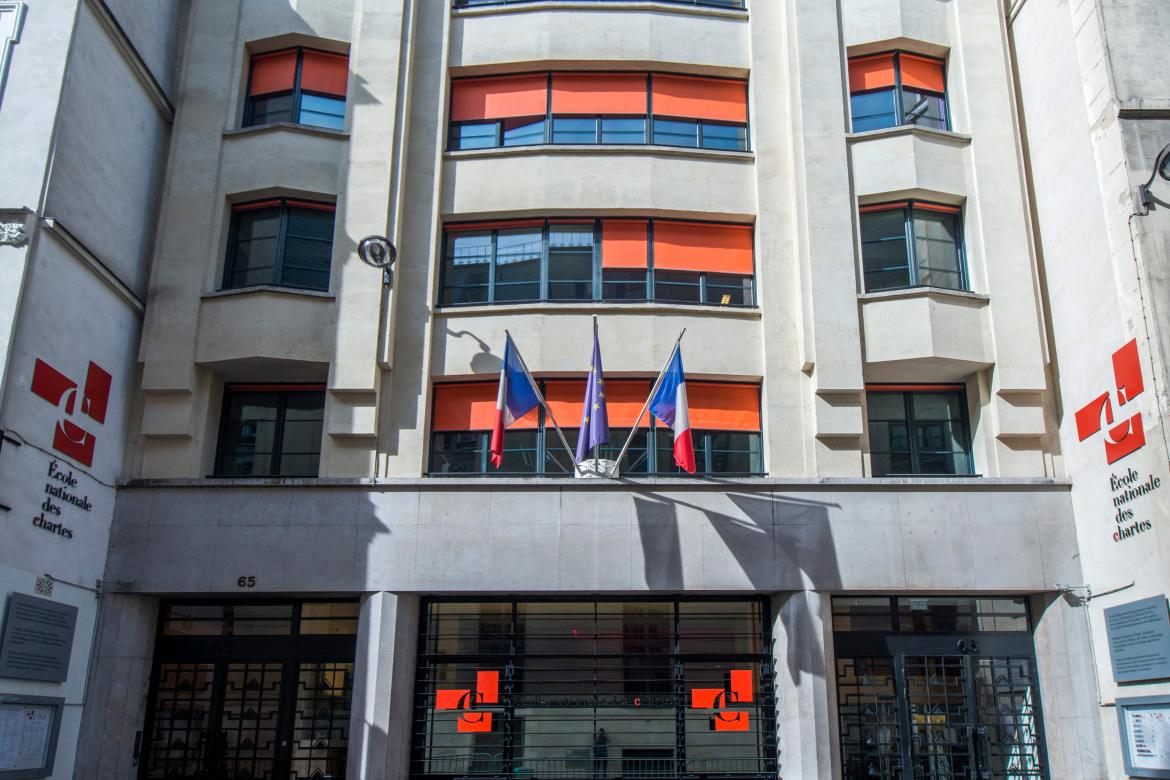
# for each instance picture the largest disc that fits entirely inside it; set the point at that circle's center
(939, 706)
(254, 691)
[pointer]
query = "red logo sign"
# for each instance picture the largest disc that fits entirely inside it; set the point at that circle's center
(50, 384)
(1127, 436)
(737, 689)
(486, 691)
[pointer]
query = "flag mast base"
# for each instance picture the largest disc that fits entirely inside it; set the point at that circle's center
(596, 468)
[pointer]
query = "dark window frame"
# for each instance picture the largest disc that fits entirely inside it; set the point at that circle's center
(703, 279)
(549, 117)
(898, 95)
(296, 92)
(282, 207)
(658, 438)
(734, 5)
(908, 392)
(911, 243)
(283, 390)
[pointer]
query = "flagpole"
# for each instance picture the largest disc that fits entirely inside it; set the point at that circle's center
(597, 448)
(539, 397)
(645, 406)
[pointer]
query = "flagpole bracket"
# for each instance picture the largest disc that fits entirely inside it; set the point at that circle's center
(596, 468)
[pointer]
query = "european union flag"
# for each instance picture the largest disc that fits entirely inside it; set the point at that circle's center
(594, 418)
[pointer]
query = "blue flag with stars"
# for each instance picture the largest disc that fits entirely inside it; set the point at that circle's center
(594, 418)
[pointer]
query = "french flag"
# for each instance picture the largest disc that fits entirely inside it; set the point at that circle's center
(517, 397)
(669, 405)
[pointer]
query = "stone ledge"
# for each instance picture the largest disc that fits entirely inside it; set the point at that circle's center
(599, 5)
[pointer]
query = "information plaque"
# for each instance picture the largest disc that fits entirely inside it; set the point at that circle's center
(1139, 640)
(37, 639)
(1145, 735)
(28, 735)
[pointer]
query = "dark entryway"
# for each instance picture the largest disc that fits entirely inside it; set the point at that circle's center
(937, 689)
(251, 690)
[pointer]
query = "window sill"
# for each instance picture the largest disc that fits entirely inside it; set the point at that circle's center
(600, 149)
(602, 5)
(950, 136)
(923, 292)
(599, 307)
(275, 127)
(270, 288)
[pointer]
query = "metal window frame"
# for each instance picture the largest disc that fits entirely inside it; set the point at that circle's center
(899, 110)
(731, 5)
(283, 391)
(297, 92)
(908, 392)
(282, 209)
(910, 237)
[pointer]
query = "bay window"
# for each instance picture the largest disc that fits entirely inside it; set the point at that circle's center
(303, 86)
(894, 89)
(912, 244)
(918, 429)
(282, 242)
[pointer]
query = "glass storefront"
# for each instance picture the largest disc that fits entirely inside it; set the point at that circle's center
(594, 689)
(937, 689)
(251, 690)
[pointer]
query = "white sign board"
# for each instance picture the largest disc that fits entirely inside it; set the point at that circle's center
(28, 735)
(1145, 735)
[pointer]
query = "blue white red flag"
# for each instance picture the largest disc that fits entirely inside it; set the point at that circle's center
(516, 397)
(594, 417)
(669, 404)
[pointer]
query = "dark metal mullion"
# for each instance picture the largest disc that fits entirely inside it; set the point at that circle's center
(649, 134)
(899, 114)
(278, 434)
(598, 273)
(545, 260)
(281, 240)
(911, 245)
(680, 713)
(911, 438)
(902, 702)
(215, 716)
(548, 115)
(491, 296)
(650, 260)
(296, 95)
(509, 752)
(974, 745)
(541, 449)
(286, 714)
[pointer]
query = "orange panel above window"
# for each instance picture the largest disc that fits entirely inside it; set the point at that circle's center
(723, 407)
(699, 246)
(324, 72)
(499, 97)
(471, 407)
(699, 98)
(623, 243)
(871, 73)
(623, 400)
(599, 93)
(921, 73)
(275, 72)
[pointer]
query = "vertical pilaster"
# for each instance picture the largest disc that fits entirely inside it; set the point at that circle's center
(805, 725)
(383, 687)
(119, 682)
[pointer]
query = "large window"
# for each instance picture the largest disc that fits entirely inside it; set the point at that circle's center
(304, 86)
(599, 108)
(620, 260)
(595, 689)
(888, 90)
(282, 242)
(270, 430)
(912, 244)
(737, 4)
(725, 422)
(918, 429)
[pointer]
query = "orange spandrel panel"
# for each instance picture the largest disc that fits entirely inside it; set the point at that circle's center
(599, 93)
(922, 73)
(325, 72)
(723, 407)
(623, 243)
(700, 246)
(499, 97)
(471, 407)
(623, 401)
(700, 98)
(273, 72)
(871, 73)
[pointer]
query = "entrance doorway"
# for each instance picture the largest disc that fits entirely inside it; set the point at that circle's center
(937, 689)
(250, 690)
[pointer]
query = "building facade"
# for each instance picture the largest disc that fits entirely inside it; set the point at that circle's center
(311, 567)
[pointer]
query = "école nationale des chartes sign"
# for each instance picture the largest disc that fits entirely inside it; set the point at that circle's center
(1112, 416)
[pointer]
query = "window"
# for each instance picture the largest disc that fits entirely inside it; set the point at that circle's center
(271, 430)
(912, 244)
(650, 675)
(598, 108)
(299, 85)
(598, 260)
(918, 429)
(282, 242)
(725, 422)
(737, 4)
(889, 90)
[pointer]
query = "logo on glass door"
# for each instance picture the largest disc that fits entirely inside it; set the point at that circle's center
(1128, 436)
(737, 689)
(50, 384)
(471, 720)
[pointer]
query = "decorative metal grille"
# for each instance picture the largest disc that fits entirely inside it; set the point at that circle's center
(249, 719)
(868, 710)
(176, 744)
(1006, 701)
(320, 736)
(936, 701)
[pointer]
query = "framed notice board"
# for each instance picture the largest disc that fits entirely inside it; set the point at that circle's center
(28, 735)
(1145, 735)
